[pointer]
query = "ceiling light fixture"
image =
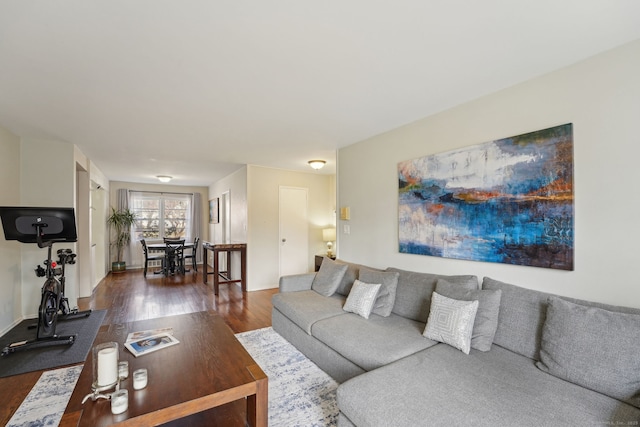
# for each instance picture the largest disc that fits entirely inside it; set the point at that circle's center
(317, 164)
(164, 178)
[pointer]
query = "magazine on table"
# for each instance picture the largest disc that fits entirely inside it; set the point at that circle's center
(150, 344)
(133, 336)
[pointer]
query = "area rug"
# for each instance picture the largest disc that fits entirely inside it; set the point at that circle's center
(45, 403)
(300, 393)
(35, 359)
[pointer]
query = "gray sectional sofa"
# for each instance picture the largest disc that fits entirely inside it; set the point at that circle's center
(535, 359)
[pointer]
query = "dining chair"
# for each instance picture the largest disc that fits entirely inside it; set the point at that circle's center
(148, 257)
(174, 256)
(193, 254)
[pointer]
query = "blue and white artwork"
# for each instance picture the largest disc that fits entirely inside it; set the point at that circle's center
(508, 201)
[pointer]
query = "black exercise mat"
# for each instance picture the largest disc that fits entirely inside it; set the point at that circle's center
(35, 359)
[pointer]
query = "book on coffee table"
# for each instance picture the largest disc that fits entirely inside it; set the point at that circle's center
(150, 344)
(133, 336)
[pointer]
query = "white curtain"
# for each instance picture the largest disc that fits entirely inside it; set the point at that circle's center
(196, 219)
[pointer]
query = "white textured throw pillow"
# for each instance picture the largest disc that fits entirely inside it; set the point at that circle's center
(451, 321)
(362, 298)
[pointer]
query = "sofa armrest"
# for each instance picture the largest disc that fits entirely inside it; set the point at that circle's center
(296, 282)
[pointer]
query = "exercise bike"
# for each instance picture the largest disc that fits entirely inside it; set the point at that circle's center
(57, 271)
(23, 224)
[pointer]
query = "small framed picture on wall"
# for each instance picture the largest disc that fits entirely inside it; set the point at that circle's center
(214, 211)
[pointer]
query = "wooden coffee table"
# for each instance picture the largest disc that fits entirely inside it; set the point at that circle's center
(207, 369)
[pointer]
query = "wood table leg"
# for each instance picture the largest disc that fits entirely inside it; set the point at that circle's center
(205, 262)
(258, 404)
(216, 271)
(243, 269)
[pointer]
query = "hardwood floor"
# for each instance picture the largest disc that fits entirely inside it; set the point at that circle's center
(129, 296)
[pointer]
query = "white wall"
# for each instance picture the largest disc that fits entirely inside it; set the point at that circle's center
(47, 178)
(601, 97)
(10, 262)
(236, 185)
(263, 195)
(254, 192)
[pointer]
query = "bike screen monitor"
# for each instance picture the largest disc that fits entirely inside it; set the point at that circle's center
(37, 224)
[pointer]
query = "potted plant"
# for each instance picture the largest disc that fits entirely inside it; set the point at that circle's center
(121, 221)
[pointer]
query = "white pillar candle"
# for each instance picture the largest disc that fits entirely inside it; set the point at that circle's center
(107, 366)
(139, 379)
(119, 401)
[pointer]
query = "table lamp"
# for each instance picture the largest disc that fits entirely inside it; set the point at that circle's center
(329, 235)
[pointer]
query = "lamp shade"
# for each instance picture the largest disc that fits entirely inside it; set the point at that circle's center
(329, 234)
(316, 164)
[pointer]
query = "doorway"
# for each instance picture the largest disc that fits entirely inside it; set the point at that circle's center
(294, 230)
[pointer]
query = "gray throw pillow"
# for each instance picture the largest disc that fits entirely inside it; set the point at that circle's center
(486, 323)
(328, 277)
(592, 347)
(362, 298)
(387, 295)
(451, 321)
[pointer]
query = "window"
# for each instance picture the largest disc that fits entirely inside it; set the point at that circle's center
(160, 215)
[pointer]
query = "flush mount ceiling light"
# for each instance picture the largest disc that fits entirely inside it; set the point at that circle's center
(317, 164)
(164, 178)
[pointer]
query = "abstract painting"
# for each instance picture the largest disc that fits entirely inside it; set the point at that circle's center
(507, 201)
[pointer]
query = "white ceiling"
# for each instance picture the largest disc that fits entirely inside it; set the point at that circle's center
(197, 88)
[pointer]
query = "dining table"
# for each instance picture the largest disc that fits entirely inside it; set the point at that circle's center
(162, 247)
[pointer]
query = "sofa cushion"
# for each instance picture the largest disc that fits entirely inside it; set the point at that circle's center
(371, 343)
(350, 276)
(413, 294)
(304, 308)
(451, 321)
(522, 314)
(441, 386)
(595, 348)
(362, 298)
(387, 294)
(328, 277)
(486, 322)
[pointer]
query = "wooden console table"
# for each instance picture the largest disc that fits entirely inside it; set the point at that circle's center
(225, 275)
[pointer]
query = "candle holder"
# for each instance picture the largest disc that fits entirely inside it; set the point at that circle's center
(140, 379)
(105, 371)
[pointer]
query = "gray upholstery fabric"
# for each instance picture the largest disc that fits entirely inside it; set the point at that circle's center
(296, 282)
(486, 322)
(350, 276)
(522, 314)
(413, 294)
(387, 295)
(451, 321)
(441, 386)
(362, 298)
(307, 307)
(328, 278)
(374, 342)
(595, 348)
(339, 368)
(343, 421)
